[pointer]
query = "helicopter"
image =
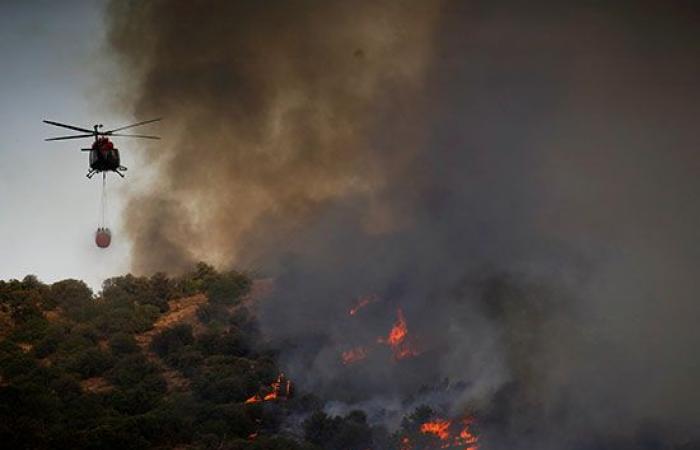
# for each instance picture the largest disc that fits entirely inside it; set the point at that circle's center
(104, 157)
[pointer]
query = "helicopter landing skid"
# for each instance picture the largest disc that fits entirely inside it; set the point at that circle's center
(91, 173)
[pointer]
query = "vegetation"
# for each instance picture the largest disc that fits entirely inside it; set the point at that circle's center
(84, 371)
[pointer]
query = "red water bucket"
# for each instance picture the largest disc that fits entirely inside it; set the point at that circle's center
(103, 237)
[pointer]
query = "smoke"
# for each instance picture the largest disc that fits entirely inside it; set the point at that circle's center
(276, 106)
(519, 180)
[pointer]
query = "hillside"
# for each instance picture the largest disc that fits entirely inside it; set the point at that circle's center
(154, 362)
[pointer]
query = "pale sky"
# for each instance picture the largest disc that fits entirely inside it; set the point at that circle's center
(55, 66)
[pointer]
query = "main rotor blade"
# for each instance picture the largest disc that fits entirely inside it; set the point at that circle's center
(132, 126)
(134, 135)
(70, 127)
(63, 138)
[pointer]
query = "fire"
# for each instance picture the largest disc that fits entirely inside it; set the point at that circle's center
(397, 338)
(354, 355)
(398, 331)
(466, 437)
(451, 435)
(439, 428)
(402, 346)
(254, 399)
(362, 302)
(280, 389)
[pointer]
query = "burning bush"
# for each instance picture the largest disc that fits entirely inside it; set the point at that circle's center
(424, 429)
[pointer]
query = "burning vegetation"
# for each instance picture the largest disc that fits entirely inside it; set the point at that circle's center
(399, 340)
(354, 355)
(280, 389)
(452, 434)
(362, 302)
(426, 430)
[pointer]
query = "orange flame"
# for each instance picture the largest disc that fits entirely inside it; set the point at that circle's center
(399, 330)
(449, 435)
(362, 302)
(439, 428)
(397, 338)
(354, 355)
(466, 437)
(281, 389)
(254, 399)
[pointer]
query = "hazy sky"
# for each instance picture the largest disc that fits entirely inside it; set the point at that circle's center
(54, 66)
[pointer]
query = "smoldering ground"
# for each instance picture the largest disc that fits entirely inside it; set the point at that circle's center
(520, 179)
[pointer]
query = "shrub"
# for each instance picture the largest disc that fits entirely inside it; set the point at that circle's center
(55, 333)
(225, 421)
(70, 295)
(131, 370)
(137, 399)
(233, 343)
(187, 361)
(336, 433)
(16, 364)
(90, 363)
(123, 344)
(228, 288)
(172, 340)
(219, 387)
(196, 281)
(32, 329)
(208, 313)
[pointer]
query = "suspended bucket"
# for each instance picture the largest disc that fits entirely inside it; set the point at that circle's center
(103, 237)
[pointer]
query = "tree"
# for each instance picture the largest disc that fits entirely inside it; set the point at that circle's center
(209, 313)
(129, 289)
(123, 344)
(172, 340)
(49, 343)
(90, 363)
(320, 429)
(228, 288)
(71, 295)
(338, 433)
(131, 370)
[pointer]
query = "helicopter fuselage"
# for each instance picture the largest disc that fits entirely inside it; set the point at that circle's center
(103, 156)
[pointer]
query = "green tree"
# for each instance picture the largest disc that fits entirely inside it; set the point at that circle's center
(123, 344)
(73, 296)
(338, 433)
(172, 340)
(90, 363)
(228, 288)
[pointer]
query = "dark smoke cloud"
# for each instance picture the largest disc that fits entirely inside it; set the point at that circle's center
(520, 180)
(277, 104)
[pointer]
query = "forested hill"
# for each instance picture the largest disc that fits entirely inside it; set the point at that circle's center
(152, 362)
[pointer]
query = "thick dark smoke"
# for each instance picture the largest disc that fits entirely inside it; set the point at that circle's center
(521, 180)
(277, 109)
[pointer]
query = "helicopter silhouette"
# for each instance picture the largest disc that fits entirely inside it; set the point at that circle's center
(104, 157)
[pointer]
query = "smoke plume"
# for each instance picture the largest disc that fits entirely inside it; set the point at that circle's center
(519, 180)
